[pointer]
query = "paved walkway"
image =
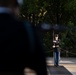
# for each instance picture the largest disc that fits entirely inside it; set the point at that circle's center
(67, 66)
(68, 63)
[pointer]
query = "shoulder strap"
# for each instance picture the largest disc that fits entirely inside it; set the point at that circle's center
(30, 33)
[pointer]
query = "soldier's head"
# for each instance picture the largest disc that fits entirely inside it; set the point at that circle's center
(14, 5)
(10, 3)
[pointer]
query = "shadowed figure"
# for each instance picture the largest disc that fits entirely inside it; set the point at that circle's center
(17, 49)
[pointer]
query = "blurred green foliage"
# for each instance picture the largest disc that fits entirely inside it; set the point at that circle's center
(46, 11)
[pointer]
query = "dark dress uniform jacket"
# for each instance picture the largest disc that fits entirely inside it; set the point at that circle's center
(15, 52)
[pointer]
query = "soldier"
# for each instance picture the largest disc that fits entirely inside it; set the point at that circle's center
(17, 50)
(56, 50)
